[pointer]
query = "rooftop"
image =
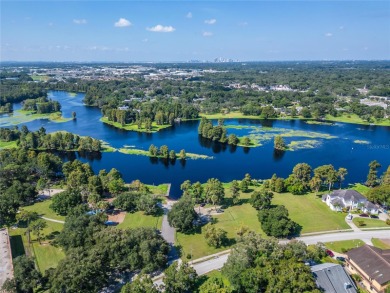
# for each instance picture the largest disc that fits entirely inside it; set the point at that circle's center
(348, 195)
(332, 278)
(375, 262)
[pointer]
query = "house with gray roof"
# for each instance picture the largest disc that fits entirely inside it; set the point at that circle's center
(349, 199)
(372, 264)
(332, 278)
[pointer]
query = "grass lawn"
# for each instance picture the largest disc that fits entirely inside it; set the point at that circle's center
(160, 189)
(370, 223)
(45, 254)
(139, 152)
(380, 244)
(8, 144)
(43, 209)
(310, 212)
(345, 245)
(230, 220)
(359, 188)
(138, 219)
(134, 127)
(353, 118)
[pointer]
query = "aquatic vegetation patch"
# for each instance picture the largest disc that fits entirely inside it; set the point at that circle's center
(106, 147)
(319, 122)
(260, 135)
(358, 141)
(139, 152)
(20, 116)
(303, 144)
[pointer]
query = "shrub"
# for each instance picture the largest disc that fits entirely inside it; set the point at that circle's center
(361, 223)
(388, 221)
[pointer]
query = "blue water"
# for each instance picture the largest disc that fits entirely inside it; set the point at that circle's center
(228, 163)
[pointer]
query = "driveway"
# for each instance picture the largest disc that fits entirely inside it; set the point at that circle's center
(6, 267)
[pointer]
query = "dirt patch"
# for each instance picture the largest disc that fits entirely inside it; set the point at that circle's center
(118, 218)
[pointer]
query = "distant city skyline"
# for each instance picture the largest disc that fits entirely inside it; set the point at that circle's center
(164, 31)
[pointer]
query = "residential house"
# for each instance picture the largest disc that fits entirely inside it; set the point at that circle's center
(332, 278)
(372, 265)
(350, 199)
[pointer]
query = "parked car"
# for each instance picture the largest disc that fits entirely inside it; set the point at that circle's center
(374, 216)
(364, 215)
(329, 252)
(340, 258)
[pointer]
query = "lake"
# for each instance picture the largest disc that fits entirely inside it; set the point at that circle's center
(343, 145)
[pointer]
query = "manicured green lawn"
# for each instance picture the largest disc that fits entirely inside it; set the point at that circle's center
(380, 244)
(353, 118)
(359, 188)
(370, 223)
(160, 189)
(43, 209)
(8, 144)
(230, 220)
(338, 246)
(45, 254)
(138, 219)
(310, 212)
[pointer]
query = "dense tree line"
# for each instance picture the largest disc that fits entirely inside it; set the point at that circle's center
(61, 141)
(41, 105)
(260, 265)
(20, 172)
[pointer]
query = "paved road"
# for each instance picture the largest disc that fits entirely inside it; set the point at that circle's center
(168, 233)
(216, 263)
(6, 268)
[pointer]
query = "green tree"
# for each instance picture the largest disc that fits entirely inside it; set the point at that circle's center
(302, 172)
(380, 194)
(275, 222)
(116, 186)
(246, 141)
(64, 201)
(182, 154)
(164, 152)
(142, 284)
(26, 277)
(261, 199)
(182, 215)
(315, 183)
(27, 217)
(179, 278)
(386, 177)
(279, 143)
(37, 228)
(341, 173)
(153, 150)
(172, 155)
(235, 190)
(327, 173)
(214, 191)
(244, 186)
(372, 177)
(233, 139)
(148, 204)
(215, 237)
(214, 285)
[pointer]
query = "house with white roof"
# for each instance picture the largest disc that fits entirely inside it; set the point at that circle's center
(349, 199)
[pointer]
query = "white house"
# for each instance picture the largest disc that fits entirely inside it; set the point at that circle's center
(350, 199)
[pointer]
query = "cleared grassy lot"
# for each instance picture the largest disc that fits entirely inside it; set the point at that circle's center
(134, 127)
(46, 255)
(139, 219)
(346, 245)
(43, 209)
(370, 223)
(380, 244)
(310, 212)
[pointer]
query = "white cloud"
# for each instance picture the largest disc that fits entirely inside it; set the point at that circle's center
(189, 15)
(210, 21)
(328, 35)
(79, 21)
(122, 22)
(207, 34)
(161, 29)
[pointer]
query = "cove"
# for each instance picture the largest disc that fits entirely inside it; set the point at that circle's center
(343, 145)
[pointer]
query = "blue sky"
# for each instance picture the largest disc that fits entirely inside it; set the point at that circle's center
(187, 30)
